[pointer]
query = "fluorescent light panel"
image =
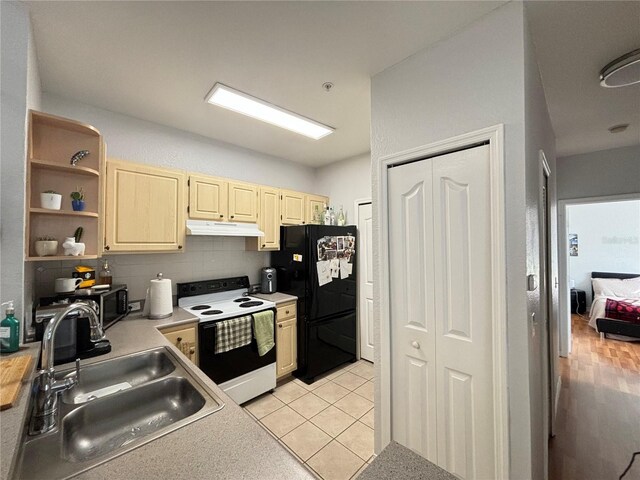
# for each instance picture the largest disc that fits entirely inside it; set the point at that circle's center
(240, 102)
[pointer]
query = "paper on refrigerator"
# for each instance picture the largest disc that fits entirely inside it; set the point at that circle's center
(324, 272)
(346, 268)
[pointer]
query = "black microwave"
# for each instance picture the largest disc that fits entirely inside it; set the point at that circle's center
(73, 337)
(113, 304)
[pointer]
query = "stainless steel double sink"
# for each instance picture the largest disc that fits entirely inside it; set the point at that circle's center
(118, 405)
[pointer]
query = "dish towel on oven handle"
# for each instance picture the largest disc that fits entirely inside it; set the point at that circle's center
(263, 328)
(233, 333)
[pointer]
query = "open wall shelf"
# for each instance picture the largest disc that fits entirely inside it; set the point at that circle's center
(52, 142)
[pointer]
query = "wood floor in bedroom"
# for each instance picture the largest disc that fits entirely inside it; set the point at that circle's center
(598, 426)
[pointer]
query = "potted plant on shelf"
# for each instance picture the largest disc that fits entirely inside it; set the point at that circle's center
(51, 200)
(46, 246)
(77, 200)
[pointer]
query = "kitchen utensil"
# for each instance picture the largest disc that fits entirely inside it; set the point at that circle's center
(66, 285)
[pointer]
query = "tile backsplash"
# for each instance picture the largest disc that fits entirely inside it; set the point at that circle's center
(204, 258)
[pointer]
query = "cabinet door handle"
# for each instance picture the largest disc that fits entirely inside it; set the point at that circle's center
(279, 325)
(107, 247)
(287, 311)
(192, 350)
(179, 339)
(263, 245)
(221, 216)
(415, 345)
(233, 216)
(179, 247)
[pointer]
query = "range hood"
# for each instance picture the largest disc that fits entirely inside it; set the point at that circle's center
(223, 229)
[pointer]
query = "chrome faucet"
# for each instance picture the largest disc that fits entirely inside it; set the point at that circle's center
(46, 386)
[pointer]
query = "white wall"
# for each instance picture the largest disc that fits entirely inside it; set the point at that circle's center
(470, 81)
(608, 240)
(345, 182)
(539, 136)
(145, 142)
(599, 174)
(20, 89)
(137, 140)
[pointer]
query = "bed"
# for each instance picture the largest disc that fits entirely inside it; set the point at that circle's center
(616, 286)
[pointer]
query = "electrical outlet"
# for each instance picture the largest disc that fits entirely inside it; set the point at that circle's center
(135, 306)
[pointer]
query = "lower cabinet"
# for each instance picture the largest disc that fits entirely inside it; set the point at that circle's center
(286, 339)
(185, 339)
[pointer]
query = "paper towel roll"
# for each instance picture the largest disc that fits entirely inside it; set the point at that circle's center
(160, 299)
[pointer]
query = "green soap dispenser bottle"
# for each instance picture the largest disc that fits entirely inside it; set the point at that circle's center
(9, 330)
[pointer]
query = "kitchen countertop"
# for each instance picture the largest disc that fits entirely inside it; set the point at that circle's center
(400, 463)
(277, 297)
(227, 444)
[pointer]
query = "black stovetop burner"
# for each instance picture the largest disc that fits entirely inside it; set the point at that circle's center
(212, 312)
(201, 307)
(252, 303)
(243, 299)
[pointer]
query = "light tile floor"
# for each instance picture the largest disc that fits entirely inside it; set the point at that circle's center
(328, 425)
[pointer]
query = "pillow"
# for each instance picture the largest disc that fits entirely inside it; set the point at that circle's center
(622, 311)
(616, 287)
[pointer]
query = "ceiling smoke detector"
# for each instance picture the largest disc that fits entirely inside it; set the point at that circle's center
(619, 128)
(327, 86)
(623, 71)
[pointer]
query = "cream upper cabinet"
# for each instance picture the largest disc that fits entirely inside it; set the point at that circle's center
(312, 202)
(286, 340)
(292, 207)
(145, 208)
(268, 221)
(243, 202)
(208, 198)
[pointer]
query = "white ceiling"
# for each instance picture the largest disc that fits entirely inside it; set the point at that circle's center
(158, 60)
(573, 41)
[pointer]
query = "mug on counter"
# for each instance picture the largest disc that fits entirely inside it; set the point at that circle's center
(66, 285)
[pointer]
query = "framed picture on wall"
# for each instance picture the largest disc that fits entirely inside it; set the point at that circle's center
(573, 244)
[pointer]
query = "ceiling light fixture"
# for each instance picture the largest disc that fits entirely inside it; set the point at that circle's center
(623, 71)
(619, 128)
(240, 102)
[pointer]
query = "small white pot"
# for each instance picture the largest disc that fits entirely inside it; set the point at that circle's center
(51, 201)
(45, 248)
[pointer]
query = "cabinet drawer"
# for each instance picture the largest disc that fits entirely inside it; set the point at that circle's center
(286, 311)
(185, 340)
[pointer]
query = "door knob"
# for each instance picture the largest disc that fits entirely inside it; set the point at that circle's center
(415, 345)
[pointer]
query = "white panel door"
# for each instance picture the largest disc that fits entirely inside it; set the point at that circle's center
(464, 333)
(440, 298)
(365, 280)
(413, 353)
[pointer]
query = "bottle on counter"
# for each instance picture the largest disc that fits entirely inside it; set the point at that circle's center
(105, 276)
(332, 217)
(342, 221)
(9, 330)
(317, 217)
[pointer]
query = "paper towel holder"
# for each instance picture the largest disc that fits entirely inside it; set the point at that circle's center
(155, 306)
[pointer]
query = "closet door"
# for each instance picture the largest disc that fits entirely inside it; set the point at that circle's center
(441, 321)
(413, 353)
(464, 332)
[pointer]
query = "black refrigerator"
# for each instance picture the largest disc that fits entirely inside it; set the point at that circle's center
(317, 263)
